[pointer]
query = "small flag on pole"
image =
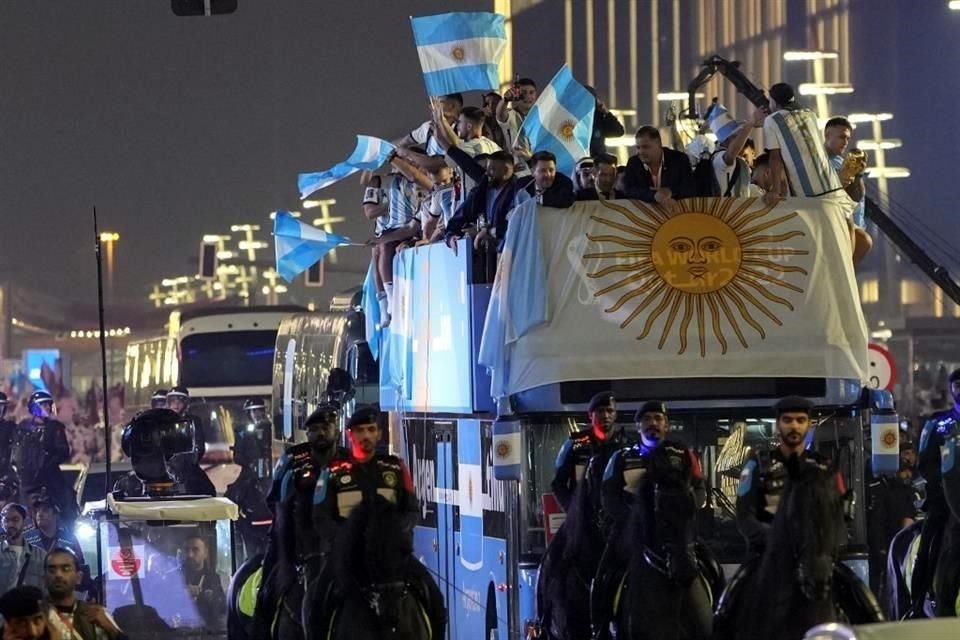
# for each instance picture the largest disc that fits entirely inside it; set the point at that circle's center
(561, 121)
(460, 51)
(370, 153)
(300, 246)
(371, 313)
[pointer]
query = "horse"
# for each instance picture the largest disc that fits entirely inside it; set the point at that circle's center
(665, 593)
(792, 590)
(243, 596)
(567, 569)
(380, 591)
(943, 599)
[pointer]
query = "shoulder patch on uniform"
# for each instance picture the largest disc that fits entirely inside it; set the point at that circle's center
(746, 478)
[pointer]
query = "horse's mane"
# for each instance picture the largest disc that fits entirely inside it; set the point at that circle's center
(372, 543)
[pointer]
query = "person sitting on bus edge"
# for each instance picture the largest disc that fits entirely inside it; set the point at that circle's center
(630, 474)
(292, 541)
(762, 483)
(657, 174)
(25, 614)
(935, 506)
(159, 399)
(72, 617)
(360, 476)
(39, 448)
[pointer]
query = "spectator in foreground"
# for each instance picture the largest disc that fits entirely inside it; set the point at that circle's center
(25, 615)
(656, 173)
(67, 614)
(21, 563)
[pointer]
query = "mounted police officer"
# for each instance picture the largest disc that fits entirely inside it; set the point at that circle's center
(9, 485)
(293, 546)
(600, 440)
(39, 448)
(936, 430)
(631, 475)
(360, 476)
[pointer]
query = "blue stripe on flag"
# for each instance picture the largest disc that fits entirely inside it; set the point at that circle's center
(546, 141)
(572, 95)
(458, 79)
(448, 27)
(371, 313)
(300, 246)
(549, 127)
(369, 153)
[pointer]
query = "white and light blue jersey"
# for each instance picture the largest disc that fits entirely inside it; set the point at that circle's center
(796, 134)
(400, 195)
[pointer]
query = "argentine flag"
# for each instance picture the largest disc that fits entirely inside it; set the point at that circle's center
(371, 313)
(370, 153)
(561, 121)
(300, 246)
(460, 51)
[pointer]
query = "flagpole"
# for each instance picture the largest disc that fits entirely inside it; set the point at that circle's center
(103, 356)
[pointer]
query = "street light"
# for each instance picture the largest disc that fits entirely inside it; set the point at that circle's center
(857, 118)
(825, 89)
(798, 56)
(885, 144)
(819, 73)
(109, 238)
(954, 5)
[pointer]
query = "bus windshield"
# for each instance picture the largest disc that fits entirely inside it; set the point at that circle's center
(227, 359)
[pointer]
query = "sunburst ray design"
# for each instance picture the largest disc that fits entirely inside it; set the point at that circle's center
(716, 266)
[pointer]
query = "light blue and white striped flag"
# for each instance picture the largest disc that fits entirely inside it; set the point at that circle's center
(460, 51)
(371, 313)
(561, 121)
(300, 246)
(370, 153)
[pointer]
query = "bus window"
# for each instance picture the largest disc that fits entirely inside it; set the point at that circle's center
(227, 359)
(543, 445)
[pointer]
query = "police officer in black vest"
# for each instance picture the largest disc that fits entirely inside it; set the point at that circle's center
(601, 439)
(292, 552)
(9, 485)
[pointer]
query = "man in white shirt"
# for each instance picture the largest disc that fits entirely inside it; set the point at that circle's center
(423, 136)
(793, 140)
(511, 111)
(730, 170)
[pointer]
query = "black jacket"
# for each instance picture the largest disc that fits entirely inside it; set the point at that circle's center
(676, 175)
(605, 125)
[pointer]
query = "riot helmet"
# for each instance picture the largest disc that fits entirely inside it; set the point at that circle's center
(256, 409)
(159, 399)
(41, 404)
(177, 399)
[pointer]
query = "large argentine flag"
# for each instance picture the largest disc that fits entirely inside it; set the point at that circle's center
(300, 246)
(460, 51)
(370, 153)
(562, 120)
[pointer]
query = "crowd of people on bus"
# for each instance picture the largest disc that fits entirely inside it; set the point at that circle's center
(461, 172)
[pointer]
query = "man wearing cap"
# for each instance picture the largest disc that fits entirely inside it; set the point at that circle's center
(940, 426)
(630, 474)
(293, 544)
(360, 476)
(731, 172)
(25, 615)
(21, 563)
(793, 140)
(581, 446)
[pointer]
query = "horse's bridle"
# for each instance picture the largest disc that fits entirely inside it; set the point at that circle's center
(374, 593)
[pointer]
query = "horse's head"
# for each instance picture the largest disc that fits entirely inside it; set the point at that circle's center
(810, 525)
(371, 554)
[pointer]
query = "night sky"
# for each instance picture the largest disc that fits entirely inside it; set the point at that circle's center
(176, 127)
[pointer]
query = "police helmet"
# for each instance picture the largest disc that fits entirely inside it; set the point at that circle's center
(159, 399)
(178, 392)
(38, 398)
(253, 403)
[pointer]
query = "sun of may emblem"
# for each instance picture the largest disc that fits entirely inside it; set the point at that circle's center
(458, 53)
(720, 261)
(566, 129)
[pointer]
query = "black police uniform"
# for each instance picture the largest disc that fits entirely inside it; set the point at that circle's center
(38, 451)
(245, 492)
(9, 483)
(936, 431)
(630, 476)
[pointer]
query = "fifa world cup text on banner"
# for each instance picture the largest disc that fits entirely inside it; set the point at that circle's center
(561, 121)
(299, 246)
(732, 281)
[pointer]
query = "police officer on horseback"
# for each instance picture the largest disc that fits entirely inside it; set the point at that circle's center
(936, 430)
(580, 448)
(360, 476)
(629, 475)
(292, 550)
(39, 448)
